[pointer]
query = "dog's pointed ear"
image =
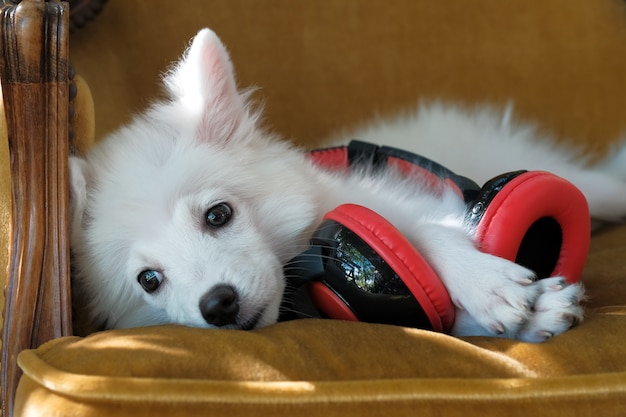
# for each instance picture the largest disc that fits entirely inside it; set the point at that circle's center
(79, 174)
(203, 82)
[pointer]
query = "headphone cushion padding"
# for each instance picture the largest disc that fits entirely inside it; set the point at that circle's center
(403, 258)
(523, 201)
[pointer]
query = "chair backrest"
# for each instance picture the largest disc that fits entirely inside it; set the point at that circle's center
(34, 69)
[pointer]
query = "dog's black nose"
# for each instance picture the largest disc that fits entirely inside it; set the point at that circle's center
(220, 305)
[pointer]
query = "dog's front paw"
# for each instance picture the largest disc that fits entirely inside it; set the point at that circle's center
(496, 298)
(557, 309)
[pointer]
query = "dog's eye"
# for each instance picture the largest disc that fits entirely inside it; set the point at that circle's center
(150, 280)
(218, 215)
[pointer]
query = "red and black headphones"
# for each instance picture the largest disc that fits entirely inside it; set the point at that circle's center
(360, 267)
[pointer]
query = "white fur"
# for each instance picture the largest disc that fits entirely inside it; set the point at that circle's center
(482, 142)
(139, 199)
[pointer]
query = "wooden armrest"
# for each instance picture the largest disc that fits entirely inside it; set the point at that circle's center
(35, 87)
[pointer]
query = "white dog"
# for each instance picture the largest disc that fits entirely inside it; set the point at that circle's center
(189, 214)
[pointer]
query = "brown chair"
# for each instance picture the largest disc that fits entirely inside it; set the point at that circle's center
(36, 91)
(309, 367)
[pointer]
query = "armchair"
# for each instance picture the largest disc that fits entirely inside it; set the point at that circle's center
(36, 106)
(322, 65)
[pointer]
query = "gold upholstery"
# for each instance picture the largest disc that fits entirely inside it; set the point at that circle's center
(321, 66)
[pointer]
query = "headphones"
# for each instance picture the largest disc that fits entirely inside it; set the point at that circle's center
(359, 267)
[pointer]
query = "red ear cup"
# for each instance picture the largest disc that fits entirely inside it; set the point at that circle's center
(329, 302)
(401, 256)
(536, 219)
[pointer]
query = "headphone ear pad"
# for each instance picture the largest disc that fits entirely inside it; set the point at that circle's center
(538, 220)
(402, 257)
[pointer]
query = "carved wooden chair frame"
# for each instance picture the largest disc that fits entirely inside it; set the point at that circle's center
(37, 91)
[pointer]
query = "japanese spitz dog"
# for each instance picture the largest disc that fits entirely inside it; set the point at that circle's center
(193, 205)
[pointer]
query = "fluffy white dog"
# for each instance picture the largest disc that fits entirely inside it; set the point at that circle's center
(189, 213)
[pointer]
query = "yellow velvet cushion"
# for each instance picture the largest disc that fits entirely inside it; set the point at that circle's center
(325, 367)
(304, 367)
(83, 121)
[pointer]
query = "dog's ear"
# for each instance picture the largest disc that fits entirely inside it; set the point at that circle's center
(203, 83)
(79, 173)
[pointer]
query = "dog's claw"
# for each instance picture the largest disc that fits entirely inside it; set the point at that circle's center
(559, 285)
(545, 335)
(498, 328)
